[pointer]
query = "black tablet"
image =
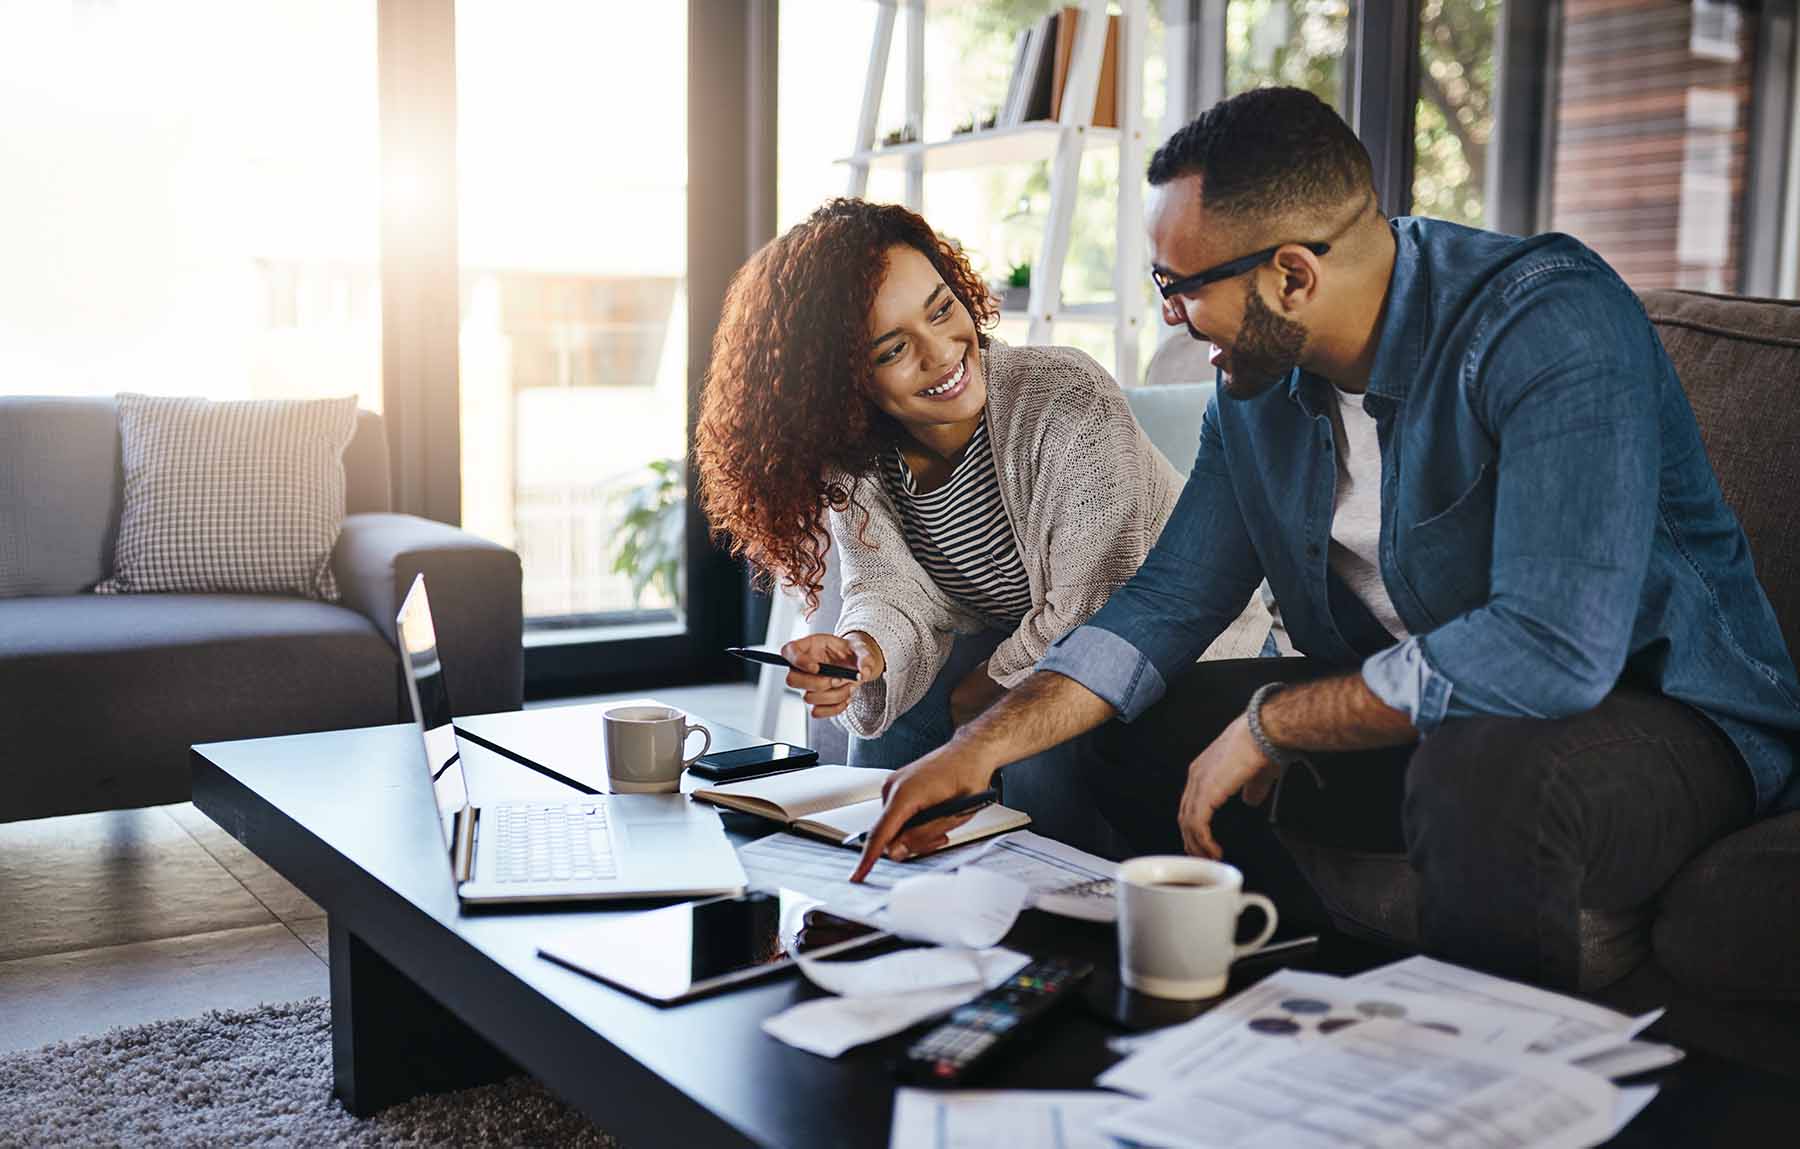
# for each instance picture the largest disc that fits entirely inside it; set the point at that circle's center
(684, 951)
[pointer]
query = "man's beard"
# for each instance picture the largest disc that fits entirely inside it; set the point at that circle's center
(1266, 350)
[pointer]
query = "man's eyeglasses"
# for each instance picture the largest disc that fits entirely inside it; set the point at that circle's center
(1170, 286)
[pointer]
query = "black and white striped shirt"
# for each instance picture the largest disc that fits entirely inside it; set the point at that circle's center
(960, 534)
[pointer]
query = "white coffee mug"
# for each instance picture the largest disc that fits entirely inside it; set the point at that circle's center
(1178, 925)
(643, 747)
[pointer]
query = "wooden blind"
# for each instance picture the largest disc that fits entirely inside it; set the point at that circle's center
(1652, 138)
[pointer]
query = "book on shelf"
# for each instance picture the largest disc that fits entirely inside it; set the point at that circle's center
(1008, 106)
(1040, 70)
(838, 802)
(1106, 96)
(1042, 55)
(1032, 58)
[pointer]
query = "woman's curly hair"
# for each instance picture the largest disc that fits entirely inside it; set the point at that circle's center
(786, 402)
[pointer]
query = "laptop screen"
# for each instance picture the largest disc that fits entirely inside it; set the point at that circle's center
(430, 699)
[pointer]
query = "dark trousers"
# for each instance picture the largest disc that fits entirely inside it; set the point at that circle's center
(1514, 824)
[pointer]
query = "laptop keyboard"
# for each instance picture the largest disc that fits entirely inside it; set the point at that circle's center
(539, 842)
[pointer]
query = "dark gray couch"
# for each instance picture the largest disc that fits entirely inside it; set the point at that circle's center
(101, 695)
(1728, 924)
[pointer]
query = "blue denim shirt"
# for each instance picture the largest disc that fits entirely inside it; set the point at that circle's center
(1550, 523)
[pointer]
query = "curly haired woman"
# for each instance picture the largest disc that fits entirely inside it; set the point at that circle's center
(984, 499)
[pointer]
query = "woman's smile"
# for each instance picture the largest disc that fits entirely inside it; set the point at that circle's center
(955, 382)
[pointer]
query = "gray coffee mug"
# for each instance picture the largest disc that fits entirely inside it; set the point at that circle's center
(643, 746)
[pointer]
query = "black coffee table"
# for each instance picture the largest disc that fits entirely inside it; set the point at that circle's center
(426, 997)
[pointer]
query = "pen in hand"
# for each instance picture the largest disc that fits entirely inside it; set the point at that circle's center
(963, 804)
(770, 658)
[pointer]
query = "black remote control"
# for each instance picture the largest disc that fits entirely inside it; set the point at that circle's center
(947, 1054)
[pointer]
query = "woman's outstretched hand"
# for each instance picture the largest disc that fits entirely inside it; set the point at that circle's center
(829, 696)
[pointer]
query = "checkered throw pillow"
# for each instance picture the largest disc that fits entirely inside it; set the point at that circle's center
(238, 497)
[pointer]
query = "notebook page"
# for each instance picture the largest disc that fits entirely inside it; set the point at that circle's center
(800, 793)
(840, 823)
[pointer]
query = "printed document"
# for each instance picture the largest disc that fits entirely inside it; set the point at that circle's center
(1381, 1083)
(1017, 1119)
(1042, 864)
(822, 871)
(1290, 1009)
(1578, 1028)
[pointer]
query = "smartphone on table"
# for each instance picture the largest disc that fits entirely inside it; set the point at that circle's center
(769, 758)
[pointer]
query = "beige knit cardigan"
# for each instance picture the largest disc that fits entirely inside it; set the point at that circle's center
(1086, 494)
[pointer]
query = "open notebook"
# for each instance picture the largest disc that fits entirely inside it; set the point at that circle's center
(836, 802)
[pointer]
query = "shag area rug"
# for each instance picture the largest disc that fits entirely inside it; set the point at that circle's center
(249, 1077)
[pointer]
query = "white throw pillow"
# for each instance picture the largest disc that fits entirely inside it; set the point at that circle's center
(230, 497)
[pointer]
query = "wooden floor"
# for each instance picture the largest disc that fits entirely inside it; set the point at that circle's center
(131, 916)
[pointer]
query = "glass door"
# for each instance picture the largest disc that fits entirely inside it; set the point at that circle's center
(177, 218)
(572, 159)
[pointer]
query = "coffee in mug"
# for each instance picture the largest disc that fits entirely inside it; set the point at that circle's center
(643, 746)
(1178, 925)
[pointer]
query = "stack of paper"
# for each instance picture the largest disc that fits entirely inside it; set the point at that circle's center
(822, 871)
(1400, 1055)
(982, 1119)
(1415, 1053)
(1576, 1030)
(1419, 1053)
(1386, 1082)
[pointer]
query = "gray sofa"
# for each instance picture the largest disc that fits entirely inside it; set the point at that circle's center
(101, 695)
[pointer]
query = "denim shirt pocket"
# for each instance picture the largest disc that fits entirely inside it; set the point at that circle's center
(1445, 557)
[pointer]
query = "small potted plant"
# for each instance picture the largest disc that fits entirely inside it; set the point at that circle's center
(648, 536)
(1015, 295)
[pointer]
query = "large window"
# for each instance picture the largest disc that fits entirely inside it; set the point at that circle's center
(1298, 43)
(186, 205)
(572, 163)
(1453, 121)
(1659, 132)
(824, 47)
(997, 211)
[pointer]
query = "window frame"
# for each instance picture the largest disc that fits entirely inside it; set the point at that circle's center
(1382, 73)
(730, 212)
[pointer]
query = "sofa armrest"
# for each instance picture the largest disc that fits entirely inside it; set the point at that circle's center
(476, 600)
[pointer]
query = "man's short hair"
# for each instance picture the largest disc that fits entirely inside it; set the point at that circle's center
(1267, 153)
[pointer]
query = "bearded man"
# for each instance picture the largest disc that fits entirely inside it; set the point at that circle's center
(1534, 652)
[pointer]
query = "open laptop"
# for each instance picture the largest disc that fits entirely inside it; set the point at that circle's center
(581, 849)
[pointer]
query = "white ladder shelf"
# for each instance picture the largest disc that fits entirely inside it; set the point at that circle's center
(1061, 141)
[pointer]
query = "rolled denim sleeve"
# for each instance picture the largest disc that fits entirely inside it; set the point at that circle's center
(1402, 677)
(1566, 383)
(1195, 580)
(1121, 674)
